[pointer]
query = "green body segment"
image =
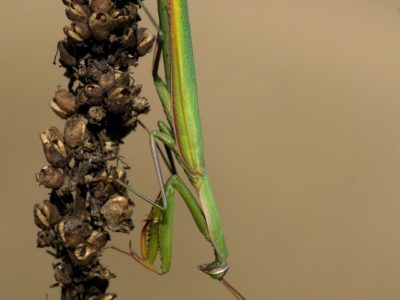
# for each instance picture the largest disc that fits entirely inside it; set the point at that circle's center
(184, 97)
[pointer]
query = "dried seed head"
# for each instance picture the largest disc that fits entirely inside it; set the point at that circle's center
(101, 5)
(93, 90)
(118, 211)
(53, 146)
(50, 177)
(141, 105)
(75, 131)
(100, 24)
(77, 12)
(145, 41)
(83, 254)
(96, 114)
(45, 214)
(66, 57)
(63, 103)
(98, 239)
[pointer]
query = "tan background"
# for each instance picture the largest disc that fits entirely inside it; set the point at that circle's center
(301, 112)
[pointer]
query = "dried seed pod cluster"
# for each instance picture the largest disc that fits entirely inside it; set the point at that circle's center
(100, 106)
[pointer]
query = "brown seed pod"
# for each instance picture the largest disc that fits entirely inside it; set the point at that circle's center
(93, 90)
(119, 99)
(101, 25)
(96, 114)
(77, 12)
(141, 105)
(107, 80)
(119, 17)
(145, 41)
(83, 254)
(54, 149)
(66, 56)
(73, 231)
(77, 32)
(63, 103)
(121, 79)
(75, 131)
(129, 38)
(101, 5)
(45, 215)
(118, 211)
(98, 239)
(50, 177)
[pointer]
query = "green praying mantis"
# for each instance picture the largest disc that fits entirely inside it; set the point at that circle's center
(182, 138)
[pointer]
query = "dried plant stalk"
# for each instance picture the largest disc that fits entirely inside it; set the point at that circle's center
(100, 106)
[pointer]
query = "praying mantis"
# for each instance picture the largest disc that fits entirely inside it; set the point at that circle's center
(182, 138)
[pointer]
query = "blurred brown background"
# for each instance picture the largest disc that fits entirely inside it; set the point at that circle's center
(300, 103)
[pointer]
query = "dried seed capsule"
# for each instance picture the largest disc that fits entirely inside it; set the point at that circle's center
(129, 38)
(63, 103)
(98, 239)
(53, 146)
(117, 211)
(66, 58)
(73, 231)
(77, 32)
(121, 79)
(119, 100)
(62, 272)
(77, 12)
(100, 24)
(83, 254)
(119, 18)
(141, 105)
(101, 5)
(145, 41)
(93, 90)
(107, 80)
(75, 131)
(45, 214)
(96, 114)
(50, 177)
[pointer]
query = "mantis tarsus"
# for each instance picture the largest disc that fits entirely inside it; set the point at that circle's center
(182, 137)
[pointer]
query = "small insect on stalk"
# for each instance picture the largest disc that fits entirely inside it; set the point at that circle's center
(182, 137)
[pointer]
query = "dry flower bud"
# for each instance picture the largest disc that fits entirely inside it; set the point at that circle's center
(96, 114)
(100, 25)
(107, 80)
(63, 103)
(50, 177)
(98, 239)
(93, 90)
(145, 41)
(77, 12)
(83, 254)
(141, 105)
(45, 214)
(75, 131)
(66, 58)
(117, 211)
(101, 5)
(53, 147)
